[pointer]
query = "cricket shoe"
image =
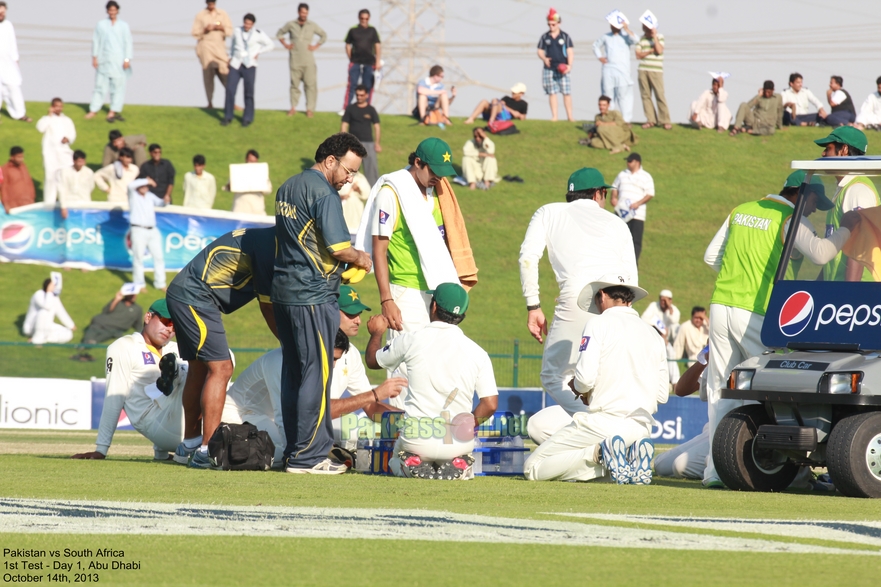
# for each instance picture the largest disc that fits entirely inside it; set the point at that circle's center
(455, 469)
(614, 454)
(199, 460)
(640, 457)
(182, 454)
(167, 372)
(415, 467)
(325, 467)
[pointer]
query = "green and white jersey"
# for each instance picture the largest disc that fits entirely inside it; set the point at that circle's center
(854, 192)
(650, 62)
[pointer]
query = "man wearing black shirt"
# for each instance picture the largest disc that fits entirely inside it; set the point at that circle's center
(161, 171)
(506, 108)
(364, 50)
(313, 243)
(363, 120)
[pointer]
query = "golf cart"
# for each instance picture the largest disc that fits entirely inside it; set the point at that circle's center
(818, 387)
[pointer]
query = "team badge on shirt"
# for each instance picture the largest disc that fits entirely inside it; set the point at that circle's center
(149, 359)
(584, 341)
(383, 216)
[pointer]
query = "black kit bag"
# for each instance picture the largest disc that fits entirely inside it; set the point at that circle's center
(241, 447)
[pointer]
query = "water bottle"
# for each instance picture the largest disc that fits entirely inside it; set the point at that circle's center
(362, 454)
(506, 457)
(519, 457)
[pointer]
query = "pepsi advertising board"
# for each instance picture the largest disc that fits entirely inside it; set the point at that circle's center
(823, 313)
(97, 236)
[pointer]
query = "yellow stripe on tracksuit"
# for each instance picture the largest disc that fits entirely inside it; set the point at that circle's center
(203, 330)
(324, 374)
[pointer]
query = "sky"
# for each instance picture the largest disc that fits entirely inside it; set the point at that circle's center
(486, 47)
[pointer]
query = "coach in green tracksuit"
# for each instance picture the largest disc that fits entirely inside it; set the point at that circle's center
(746, 252)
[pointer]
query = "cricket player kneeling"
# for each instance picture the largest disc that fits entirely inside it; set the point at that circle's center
(445, 368)
(621, 376)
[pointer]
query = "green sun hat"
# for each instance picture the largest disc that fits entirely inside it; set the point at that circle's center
(846, 135)
(438, 155)
(451, 297)
(796, 178)
(587, 178)
(349, 300)
(160, 307)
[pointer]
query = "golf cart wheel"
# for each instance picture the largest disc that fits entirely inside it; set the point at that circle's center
(853, 455)
(739, 464)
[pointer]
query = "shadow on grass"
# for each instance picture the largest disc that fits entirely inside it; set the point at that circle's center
(215, 113)
(19, 322)
(306, 163)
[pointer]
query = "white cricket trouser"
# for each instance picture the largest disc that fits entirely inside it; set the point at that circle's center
(414, 305)
(571, 454)
(14, 100)
(147, 239)
(256, 408)
(163, 424)
(735, 336)
(429, 449)
(547, 422)
(561, 353)
(688, 460)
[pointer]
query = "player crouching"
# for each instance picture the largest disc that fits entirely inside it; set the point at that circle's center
(445, 368)
(621, 376)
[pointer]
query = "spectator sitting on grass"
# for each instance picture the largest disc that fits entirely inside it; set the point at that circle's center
(840, 102)
(117, 317)
(870, 113)
(431, 96)
(762, 115)
(39, 322)
(479, 164)
(610, 132)
(504, 108)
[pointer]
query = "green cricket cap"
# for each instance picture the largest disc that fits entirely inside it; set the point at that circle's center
(452, 297)
(160, 307)
(349, 300)
(846, 135)
(438, 155)
(796, 178)
(587, 178)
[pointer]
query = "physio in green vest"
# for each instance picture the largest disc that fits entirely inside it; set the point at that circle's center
(746, 251)
(854, 192)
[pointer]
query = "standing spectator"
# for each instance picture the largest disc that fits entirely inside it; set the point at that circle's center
(613, 51)
(479, 164)
(693, 335)
(75, 184)
(18, 187)
(39, 322)
(137, 143)
(556, 51)
(761, 115)
(200, 187)
(300, 33)
(211, 28)
(505, 108)
(431, 95)
(116, 177)
(144, 232)
(250, 202)
(710, 110)
(665, 311)
(610, 132)
(797, 101)
(312, 244)
(840, 102)
(365, 56)
(247, 45)
(59, 134)
(363, 119)
(650, 72)
(10, 74)
(631, 191)
(870, 113)
(159, 170)
(353, 196)
(112, 60)
(117, 317)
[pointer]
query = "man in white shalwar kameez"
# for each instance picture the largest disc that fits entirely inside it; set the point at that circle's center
(39, 322)
(10, 74)
(870, 113)
(111, 58)
(59, 134)
(710, 110)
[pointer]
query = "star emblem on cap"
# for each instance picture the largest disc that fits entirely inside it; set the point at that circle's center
(354, 295)
(447, 157)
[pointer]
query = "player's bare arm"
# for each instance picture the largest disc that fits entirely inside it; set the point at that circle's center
(537, 324)
(353, 256)
(94, 455)
(376, 326)
(390, 309)
(369, 401)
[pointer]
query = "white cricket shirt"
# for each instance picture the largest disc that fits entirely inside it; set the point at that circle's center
(632, 187)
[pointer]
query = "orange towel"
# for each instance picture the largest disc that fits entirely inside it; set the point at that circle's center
(457, 235)
(864, 244)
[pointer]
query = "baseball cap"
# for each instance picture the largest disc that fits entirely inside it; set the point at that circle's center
(587, 301)
(452, 297)
(586, 178)
(796, 178)
(160, 307)
(519, 88)
(438, 155)
(666, 293)
(846, 135)
(349, 300)
(633, 157)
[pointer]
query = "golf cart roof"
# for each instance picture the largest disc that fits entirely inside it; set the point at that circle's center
(865, 165)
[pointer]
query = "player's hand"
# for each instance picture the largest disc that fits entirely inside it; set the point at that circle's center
(391, 388)
(94, 456)
(364, 261)
(392, 314)
(851, 219)
(537, 325)
(377, 324)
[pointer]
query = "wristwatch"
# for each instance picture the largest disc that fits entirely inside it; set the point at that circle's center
(535, 307)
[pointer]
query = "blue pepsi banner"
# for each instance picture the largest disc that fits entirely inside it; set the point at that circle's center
(820, 312)
(97, 236)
